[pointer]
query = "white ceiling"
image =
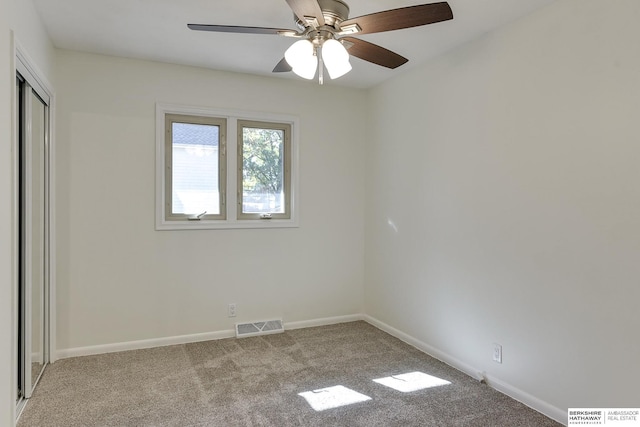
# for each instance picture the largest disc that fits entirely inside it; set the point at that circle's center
(157, 30)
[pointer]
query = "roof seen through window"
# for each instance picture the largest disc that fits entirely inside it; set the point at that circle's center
(195, 134)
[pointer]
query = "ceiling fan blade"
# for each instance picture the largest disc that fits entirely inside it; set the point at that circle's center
(404, 17)
(282, 67)
(240, 29)
(373, 53)
(307, 9)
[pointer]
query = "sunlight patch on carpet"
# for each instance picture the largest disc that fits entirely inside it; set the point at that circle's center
(332, 397)
(412, 381)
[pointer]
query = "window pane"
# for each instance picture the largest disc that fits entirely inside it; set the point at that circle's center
(263, 170)
(195, 169)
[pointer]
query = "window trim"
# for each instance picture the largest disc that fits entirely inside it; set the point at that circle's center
(286, 128)
(232, 220)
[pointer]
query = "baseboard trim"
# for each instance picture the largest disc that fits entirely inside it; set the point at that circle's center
(142, 344)
(533, 402)
(191, 338)
(323, 321)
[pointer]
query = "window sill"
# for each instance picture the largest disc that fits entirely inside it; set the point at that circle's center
(226, 224)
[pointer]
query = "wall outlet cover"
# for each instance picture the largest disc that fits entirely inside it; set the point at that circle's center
(497, 353)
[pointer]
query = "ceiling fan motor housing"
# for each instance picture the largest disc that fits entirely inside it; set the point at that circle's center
(333, 11)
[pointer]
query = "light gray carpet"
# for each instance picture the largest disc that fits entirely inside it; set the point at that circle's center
(256, 382)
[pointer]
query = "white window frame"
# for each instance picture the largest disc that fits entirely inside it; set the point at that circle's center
(232, 219)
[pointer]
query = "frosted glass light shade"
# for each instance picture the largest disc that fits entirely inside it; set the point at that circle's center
(301, 59)
(336, 58)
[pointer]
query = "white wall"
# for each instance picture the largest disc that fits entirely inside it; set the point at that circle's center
(501, 197)
(503, 204)
(19, 17)
(120, 280)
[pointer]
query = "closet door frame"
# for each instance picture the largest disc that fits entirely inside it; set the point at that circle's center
(34, 82)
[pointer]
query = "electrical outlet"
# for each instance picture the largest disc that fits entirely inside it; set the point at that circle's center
(497, 353)
(232, 310)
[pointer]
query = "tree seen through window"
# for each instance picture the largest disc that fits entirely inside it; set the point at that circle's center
(262, 170)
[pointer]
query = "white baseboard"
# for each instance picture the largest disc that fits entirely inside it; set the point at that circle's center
(141, 344)
(323, 322)
(186, 339)
(533, 402)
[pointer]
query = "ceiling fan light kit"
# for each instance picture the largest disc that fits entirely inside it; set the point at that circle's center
(325, 31)
(302, 59)
(335, 58)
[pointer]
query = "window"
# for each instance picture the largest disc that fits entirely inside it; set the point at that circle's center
(195, 167)
(197, 188)
(263, 170)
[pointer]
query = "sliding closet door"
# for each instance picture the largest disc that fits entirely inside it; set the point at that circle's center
(20, 334)
(37, 240)
(33, 224)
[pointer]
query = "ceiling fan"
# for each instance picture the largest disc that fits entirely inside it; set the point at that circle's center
(325, 32)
